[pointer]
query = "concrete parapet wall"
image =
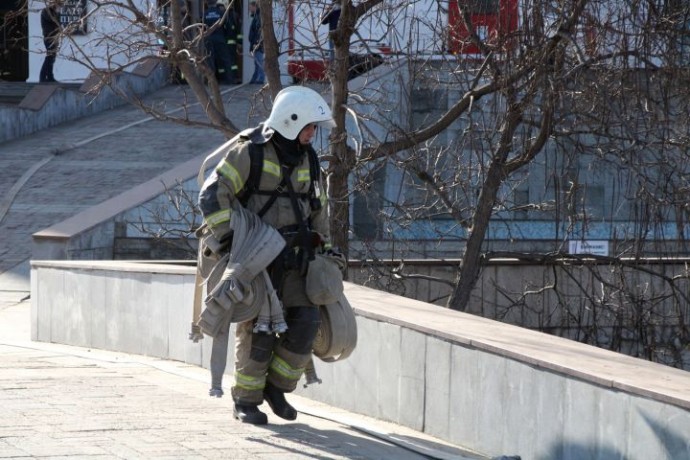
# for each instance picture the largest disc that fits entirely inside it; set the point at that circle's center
(472, 381)
(90, 235)
(130, 307)
(50, 105)
(628, 307)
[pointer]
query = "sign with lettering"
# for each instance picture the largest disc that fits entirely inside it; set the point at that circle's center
(594, 247)
(73, 17)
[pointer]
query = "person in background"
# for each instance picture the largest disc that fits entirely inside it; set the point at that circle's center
(220, 60)
(256, 44)
(331, 16)
(50, 27)
(164, 24)
(233, 34)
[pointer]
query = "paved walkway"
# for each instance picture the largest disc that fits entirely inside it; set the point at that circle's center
(65, 402)
(61, 402)
(55, 173)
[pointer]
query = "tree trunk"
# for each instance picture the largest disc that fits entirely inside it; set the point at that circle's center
(343, 158)
(271, 67)
(470, 267)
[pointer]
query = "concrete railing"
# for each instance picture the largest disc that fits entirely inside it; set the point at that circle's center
(475, 382)
(90, 234)
(49, 104)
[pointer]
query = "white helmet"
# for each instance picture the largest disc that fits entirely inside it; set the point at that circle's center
(294, 108)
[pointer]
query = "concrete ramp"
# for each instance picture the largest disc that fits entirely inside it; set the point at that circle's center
(71, 402)
(57, 173)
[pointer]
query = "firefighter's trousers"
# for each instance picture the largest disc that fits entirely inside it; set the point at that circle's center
(262, 358)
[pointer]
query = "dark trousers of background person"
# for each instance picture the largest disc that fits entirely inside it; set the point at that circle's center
(46, 74)
(234, 68)
(220, 60)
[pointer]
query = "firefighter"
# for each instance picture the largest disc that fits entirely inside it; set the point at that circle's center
(219, 58)
(331, 16)
(164, 24)
(291, 198)
(233, 35)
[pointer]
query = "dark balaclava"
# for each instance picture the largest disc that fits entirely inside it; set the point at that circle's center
(290, 152)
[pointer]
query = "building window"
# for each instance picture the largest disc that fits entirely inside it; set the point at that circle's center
(520, 204)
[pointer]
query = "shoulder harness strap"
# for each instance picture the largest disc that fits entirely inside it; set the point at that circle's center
(314, 170)
(256, 164)
(256, 157)
(315, 175)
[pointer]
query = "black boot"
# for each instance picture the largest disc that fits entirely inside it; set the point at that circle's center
(216, 392)
(276, 399)
(249, 413)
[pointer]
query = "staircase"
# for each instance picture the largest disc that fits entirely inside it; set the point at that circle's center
(29, 107)
(12, 93)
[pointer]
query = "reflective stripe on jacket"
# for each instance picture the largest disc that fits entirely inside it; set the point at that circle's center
(220, 191)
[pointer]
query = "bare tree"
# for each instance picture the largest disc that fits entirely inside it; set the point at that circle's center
(576, 80)
(125, 33)
(568, 119)
(582, 130)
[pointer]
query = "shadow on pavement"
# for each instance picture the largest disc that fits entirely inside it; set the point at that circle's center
(349, 442)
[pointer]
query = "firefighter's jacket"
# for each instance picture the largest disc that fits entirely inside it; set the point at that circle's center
(212, 15)
(219, 193)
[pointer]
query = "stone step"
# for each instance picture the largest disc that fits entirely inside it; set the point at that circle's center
(13, 93)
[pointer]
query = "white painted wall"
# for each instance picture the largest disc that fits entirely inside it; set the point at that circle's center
(79, 53)
(416, 28)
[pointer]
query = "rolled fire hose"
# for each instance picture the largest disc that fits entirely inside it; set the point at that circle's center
(238, 284)
(336, 337)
